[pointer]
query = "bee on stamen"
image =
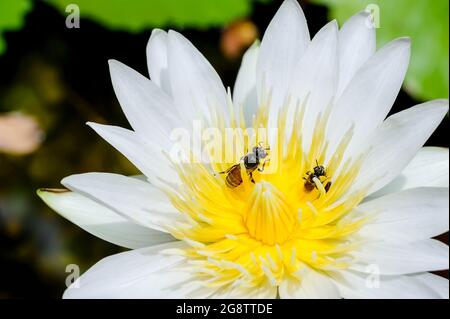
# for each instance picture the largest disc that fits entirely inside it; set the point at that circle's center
(313, 179)
(252, 161)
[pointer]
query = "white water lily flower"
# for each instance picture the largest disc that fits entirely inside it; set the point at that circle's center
(367, 234)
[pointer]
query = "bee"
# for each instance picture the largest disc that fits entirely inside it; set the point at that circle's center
(317, 172)
(251, 160)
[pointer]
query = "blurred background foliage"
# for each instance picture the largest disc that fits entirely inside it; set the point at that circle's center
(425, 22)
(12, 13)
(140, 14)
(54, 79)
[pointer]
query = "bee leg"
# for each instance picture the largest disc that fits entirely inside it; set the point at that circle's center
(264, 164)
(223, 172)
(250, 175)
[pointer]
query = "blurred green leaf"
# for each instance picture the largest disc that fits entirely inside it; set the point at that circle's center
(12, 13)
(426, 22)
(139, 14)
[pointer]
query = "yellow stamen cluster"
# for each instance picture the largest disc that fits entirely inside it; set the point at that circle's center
(261, 233)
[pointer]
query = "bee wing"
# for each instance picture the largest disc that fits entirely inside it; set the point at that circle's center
(235, 166)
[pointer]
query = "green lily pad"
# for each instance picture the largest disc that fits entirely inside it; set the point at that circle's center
(140, 14)
(12, 13)
(426, 22)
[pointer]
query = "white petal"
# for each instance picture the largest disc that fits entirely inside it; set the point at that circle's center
(140, 273)
(157, 59)
(148, 109)
(404, 258)
(265, 291)
(244, 93)
(357, 43)
(407, 216)
(436, 283)
(355, 285)
(428, 168)
(395, 143)
(134, 199)
(313, 285)
(283, 44)
(315, 78)
(370, 94)
(101, 221)
(147, 157)
(196, 87)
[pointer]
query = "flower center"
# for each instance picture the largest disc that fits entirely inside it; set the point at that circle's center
(253, 228)
(268, 217)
